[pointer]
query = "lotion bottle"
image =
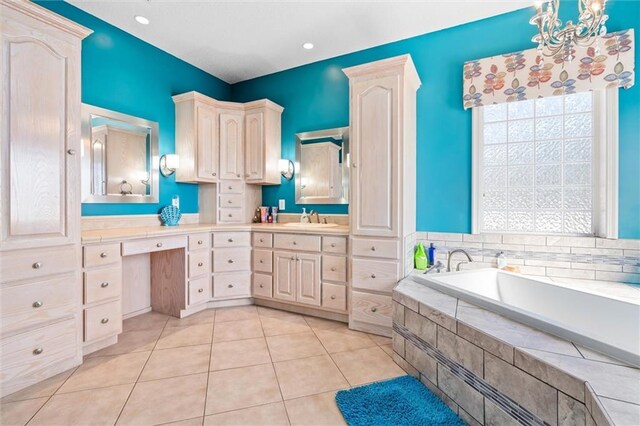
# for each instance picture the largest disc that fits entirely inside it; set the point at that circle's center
(304, 217)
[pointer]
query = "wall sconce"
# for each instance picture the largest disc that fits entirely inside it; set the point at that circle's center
(168, 164)
(286, 168)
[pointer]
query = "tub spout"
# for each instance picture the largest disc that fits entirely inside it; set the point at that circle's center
(451, 253)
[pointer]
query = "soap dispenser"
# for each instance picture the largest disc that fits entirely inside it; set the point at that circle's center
(304, 217)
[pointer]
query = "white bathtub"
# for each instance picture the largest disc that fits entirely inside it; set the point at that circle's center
(607, 325)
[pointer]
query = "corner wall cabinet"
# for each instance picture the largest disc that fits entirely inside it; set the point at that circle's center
(40, 285)
(382, 208)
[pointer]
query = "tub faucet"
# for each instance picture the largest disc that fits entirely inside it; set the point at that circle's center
(451, 253)
(438, 266)
(313, 212)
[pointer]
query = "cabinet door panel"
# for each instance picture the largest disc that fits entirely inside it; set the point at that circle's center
(231, 150)
(375, 156)
(40, 138)
(207, 143)
(254, 146)
(308, 279)
(284, 276)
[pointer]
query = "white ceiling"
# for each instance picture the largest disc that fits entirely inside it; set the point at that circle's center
(240, 40)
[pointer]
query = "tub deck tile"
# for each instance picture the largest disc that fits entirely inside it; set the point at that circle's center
(622, 413)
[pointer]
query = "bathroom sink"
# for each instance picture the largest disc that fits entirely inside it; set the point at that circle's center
(310, 225)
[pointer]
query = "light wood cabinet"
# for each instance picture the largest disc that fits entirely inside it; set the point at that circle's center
(284, 276)
(40, 190)
(207, 143)
(383, 177)
(297, 277)
(262, 142)
(231, 141)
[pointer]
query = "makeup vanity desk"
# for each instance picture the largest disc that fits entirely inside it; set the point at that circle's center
(182, 270)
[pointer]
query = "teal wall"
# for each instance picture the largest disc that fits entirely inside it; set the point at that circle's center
(316, 96)
(123, 73)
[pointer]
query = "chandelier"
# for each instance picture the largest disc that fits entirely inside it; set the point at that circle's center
(551, 35)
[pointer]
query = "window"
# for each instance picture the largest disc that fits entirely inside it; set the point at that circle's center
(547, 166)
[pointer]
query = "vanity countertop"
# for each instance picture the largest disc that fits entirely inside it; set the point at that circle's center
(119, 234)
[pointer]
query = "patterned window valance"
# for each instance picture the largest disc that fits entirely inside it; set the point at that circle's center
(519, 76)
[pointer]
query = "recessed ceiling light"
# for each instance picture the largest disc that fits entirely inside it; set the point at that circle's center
(308, 46)
(141, 20)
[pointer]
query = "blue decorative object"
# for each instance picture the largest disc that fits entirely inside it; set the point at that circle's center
(400, 401)
(170, 216)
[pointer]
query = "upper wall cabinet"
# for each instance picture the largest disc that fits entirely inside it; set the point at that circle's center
(262, 142)
(227, 140)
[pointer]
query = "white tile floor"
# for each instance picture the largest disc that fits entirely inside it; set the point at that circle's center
(234, 366)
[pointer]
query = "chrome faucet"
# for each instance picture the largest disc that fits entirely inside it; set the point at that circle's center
(451, 253)
(313, 212)
(438, 266)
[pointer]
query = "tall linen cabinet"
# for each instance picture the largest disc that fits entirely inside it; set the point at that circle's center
(40, 261)
(382, 208)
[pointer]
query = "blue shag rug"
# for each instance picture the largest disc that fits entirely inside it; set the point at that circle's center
(400, 401)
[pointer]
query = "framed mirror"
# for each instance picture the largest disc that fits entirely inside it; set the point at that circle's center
(119, 157)
(322, 166)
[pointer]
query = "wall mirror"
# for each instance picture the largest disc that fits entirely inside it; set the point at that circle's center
(119, 157)
(322, 166)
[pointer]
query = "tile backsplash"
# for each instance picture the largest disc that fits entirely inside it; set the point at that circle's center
(552, 256)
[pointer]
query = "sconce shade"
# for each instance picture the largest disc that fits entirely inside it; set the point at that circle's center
(286, 168)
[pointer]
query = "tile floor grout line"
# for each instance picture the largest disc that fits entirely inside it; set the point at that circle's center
(50, 396)
(330, 357)
(206, 389)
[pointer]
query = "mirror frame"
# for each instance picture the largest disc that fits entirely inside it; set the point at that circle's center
(338, 133)
(154, 175)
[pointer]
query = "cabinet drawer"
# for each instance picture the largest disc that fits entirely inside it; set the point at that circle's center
(231, 200)
(198, 241)
(199, 263)
(232, 259)
(334, 296)
(262, 239)
(103, 321)
(231, 187)
(296, 242)
(232, 285)
(27, 353)
(102, 284)
(263, 261)
(371, 308)
(102, 254)
(389, 249)
(37, 263)
(262, 285)
(231, 239)
(150, 245)
(378, 275)
(334, 245)
(228, 215)
(334, 268)
(199, 290)
(26, 305)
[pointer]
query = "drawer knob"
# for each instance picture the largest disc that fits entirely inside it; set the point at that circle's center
(230, 286)
(295, 244)
(200, 242)
(333, 297)
(159, 245)
(373, 276)
(262, 240)
(104, 284)
(71, 151)
(200, 290)
(374, 309)
(37, 265)
(37, 304)
(230, 187)
(261, 285)
(230, 201)
(333, 244)
(214, 174)
(373, 248)
(261, 261)
(293, 258)
(200, 263)
(333, 269)
(38, 351)
(230, 240)
(230, 215)
(230, 261)
(104, 320)
(103, 255)
(237, 174)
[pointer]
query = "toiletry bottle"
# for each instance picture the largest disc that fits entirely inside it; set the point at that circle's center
(502, 261)
(274, 213)
(304, 217)
(420, 257)
(431, 254)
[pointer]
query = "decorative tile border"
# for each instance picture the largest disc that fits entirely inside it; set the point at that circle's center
(509, 406)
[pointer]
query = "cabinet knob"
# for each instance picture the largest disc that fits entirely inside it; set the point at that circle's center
(37, 304)
(230, 202)
(159, 245)
(104, 284)
(37, 265)
(373, 276)
(230, 286)
(214, 174)
(333, 297)
(293, 258)
(261, 261)
(38, 351)
(333, 269)
(374, 309)
(104, 320)
(71, 151)
(238, 175)
(353, 165)
(261, 285)
(200, 242)
(230, 240)
(230, 187)
(333, 244)
(200, 290)
(103, 255)
(295, 244)
(373, 248)
(200, 264)
(230, 261)
(262, 240)
(230, 215)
